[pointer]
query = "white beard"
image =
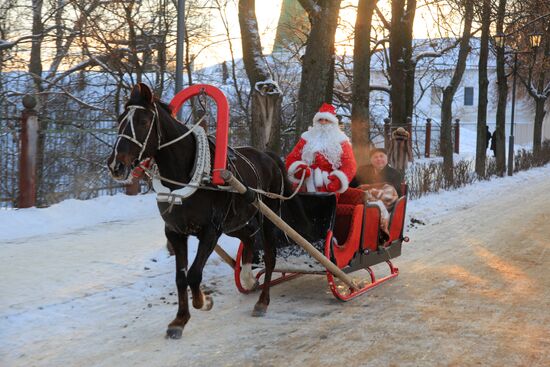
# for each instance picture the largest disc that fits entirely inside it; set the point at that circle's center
(325, 140)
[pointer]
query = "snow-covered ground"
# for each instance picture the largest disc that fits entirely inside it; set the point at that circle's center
(89, 283)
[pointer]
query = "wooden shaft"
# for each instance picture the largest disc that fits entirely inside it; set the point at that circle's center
(301, 241)
(225, 256)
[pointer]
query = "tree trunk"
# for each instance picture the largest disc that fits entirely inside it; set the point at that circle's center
(502, 84)
(132, 42)
(450, 90)
(361, 82)
(35, 63)
(266, 96)
(161, 49)
(540, 102)
(401, 67)
(318, 62)
(481, 144)
(537, 129)
(35, 69)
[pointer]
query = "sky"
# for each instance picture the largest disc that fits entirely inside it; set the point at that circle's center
(267, 14)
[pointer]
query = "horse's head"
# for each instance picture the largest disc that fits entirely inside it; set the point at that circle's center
(138, 134)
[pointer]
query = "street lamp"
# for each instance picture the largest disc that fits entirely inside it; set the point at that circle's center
(535, 40)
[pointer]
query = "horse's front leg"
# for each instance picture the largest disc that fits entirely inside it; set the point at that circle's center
(269, 232)
(207, 241)
(179, 245)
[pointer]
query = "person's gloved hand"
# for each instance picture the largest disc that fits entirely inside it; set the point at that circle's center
(300, 171)
(334, 184)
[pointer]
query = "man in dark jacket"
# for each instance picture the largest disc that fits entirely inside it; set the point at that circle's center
(487, 136)
(494, 143)
(378, 171)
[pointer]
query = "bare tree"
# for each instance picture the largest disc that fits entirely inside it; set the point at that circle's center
(360, 125)
(266, 96)
(502, 84)
(481, 145)
(401, 48)
(450, 90)
(316, 85)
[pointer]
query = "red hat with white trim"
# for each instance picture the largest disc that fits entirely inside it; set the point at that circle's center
(327, 112)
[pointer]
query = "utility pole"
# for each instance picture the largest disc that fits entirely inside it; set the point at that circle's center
(179, 50)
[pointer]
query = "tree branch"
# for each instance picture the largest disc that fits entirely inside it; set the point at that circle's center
(311, 7)
(387, 24)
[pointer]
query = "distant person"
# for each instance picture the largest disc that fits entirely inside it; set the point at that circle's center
(494, 143)
(487, 136)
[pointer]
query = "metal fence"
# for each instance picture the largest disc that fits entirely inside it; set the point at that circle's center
(9, 160)
(73, 161)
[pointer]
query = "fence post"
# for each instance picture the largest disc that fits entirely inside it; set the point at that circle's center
(457, 136)
(428, 138)
(387, 133)
(133, 187)
(410, 130)
(27, 155)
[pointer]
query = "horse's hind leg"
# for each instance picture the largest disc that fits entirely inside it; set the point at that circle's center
(179, 244)
(207, 242)
(269, 241)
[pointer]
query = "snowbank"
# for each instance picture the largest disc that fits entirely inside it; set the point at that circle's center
(72, 214)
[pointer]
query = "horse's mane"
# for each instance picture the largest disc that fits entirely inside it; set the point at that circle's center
(163, 105)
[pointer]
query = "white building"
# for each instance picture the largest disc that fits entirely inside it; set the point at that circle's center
(434, 73)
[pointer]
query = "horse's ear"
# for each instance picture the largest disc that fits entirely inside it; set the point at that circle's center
(135, 94)
(142, 93)
(146, 93)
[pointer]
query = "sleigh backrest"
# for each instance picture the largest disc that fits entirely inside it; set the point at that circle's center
(397, 219)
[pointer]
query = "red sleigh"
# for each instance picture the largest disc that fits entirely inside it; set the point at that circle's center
(348, 233)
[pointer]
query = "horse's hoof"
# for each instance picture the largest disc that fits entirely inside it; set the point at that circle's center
(207, 304)
(259, 310)
(174, 332)
(248, 280)
(252, 287)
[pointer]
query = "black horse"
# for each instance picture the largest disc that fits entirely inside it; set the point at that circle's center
(144, 127)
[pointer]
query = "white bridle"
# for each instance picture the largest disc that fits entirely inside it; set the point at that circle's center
(130, 118)
(201, 167)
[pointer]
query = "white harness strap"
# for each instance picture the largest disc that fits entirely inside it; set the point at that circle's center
(201, 169)
(130, 118)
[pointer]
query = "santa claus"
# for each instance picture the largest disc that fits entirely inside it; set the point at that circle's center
(323, 154)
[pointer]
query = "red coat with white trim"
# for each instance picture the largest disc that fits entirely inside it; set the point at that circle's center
(322, 176)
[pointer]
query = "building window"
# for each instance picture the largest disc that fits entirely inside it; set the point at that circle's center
(468, 96)
(437, 95)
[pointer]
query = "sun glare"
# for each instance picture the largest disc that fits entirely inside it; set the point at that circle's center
(267, 14)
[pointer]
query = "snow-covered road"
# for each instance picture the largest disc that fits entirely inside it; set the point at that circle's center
(474, 289)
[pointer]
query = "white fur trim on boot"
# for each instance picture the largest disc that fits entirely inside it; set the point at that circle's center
(343, 180)
(292, 170)
(325, 115)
